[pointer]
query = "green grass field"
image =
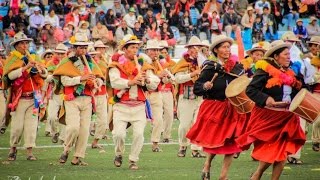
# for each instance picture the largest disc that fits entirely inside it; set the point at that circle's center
(163, 165)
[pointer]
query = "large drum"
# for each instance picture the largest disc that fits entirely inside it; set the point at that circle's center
(236, 93)
(306, 105)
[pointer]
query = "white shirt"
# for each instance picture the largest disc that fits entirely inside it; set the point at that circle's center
(130, 20)
(53, 20)
(36, 20)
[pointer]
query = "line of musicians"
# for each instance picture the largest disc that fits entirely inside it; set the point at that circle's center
(77, 85)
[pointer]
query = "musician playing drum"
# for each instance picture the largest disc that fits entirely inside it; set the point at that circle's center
(275, 132)
(218, 122)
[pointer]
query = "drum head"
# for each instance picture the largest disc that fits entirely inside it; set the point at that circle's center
(237, 86)
(297, 99)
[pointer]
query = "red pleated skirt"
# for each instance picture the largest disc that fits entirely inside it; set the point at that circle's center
(274, 134)
(217, 126)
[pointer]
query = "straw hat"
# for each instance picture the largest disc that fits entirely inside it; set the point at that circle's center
(99, 44)
(275, 45)
(163, 44)
(220, 39)
(194, 41)
(152, 44)
(289, 36)
(47, 23)
(128, 39)
(48, 51)
(249, 8)
(92, 51)
(260, 46)
(20, 37)
(61, 48)
(314, 40)
(206, 43)
(299, 20)
(80, 39)
(70, 23)
(312, 18)
(83, 23)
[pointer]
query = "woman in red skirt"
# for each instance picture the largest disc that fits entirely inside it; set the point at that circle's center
(218, 122)
(274, 131)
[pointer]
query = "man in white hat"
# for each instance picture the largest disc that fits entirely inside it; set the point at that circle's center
(186, 72)
(24, 73)
(313, 27)
(36, 22)
(53, 94)
(129, 99)
(101, 114)
(3, 105)
(152, 57)
(123, 30)
(80, 78)
(166, 90)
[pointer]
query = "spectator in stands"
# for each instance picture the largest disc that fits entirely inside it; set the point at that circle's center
(52, 18)
(36, 23)
(142, 23)
(36, 3)
(93, 17)
(101, 32)
(73, 16)
(155, 5)
(181, 7)
(22, 28)
(259, 5)
(101, 7)
(225, 6)
(268, 23)
(215, 21)
(290, 12)
(153, 32)
(109, 20)
(210, 6)
(8, 20)
(118, 8)
(257, 28)
(122, 30)
(149, 18)
(167, 34)
(68, 30)
(84, 28)
(240, 7)
(318, 9)
(313, 28)
(58, 8)
(300, 31)
(21, 18)
(142, 7)
(173, 17)
(185, 25)
(276, 10)
(199, 4)
(230, 21)
(47, 36)
(130, 18)
(203, 25)
(139, 32)
(248, 18)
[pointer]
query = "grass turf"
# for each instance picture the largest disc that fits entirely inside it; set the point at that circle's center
(163, 165)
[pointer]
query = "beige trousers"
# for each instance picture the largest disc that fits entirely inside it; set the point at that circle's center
(22, 120)
(167, 100)
(187, 112)
(102, 115)
(53, 108)
(157, 113)
(122, 115)
(78, 116)
(3, 109)
(303, 125)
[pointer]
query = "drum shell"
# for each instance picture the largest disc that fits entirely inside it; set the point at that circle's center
(242, 103)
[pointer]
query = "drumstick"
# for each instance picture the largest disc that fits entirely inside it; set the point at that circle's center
(89, 69)
(214, 77)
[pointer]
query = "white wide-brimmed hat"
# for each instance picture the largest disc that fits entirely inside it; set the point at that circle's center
(314, 40)
(99, 44)
(92, 51)
(194, 41)
(275, 45)
(20, 37)
(128, 39)
(80, 39)
(206, 43)
(164, 44)
(47, 51)
(61, 48)
(260, 46)
(312, 18)
(47, 23)
(83, 23)
(220, 39)
(152, 44)
(290, 36)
